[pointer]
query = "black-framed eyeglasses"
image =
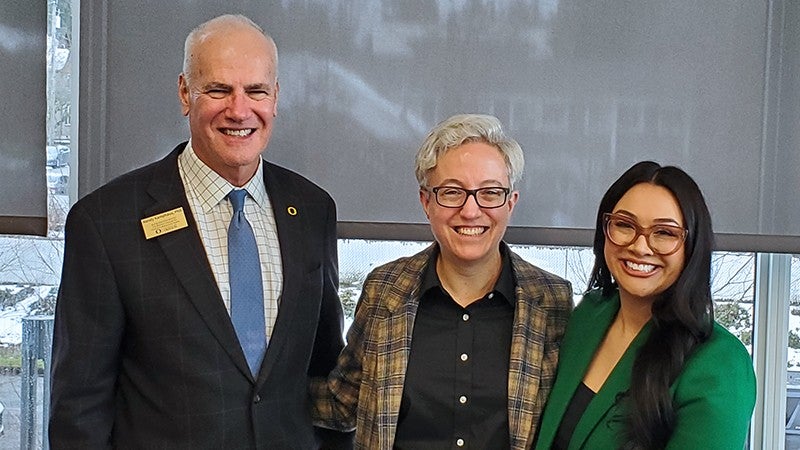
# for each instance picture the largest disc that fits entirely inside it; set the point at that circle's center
(456, 197)
(662, 239)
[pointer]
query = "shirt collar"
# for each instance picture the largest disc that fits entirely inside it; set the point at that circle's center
(505, 284)
(210, 188)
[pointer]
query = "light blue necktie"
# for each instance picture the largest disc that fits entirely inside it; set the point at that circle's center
(247, 295)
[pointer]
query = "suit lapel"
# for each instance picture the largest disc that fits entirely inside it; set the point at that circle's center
(184, 251)
(290, 230)
(618, 382)
(397, 327)
(524, 370)
(527, 366)
(393, 333)
(580, 342)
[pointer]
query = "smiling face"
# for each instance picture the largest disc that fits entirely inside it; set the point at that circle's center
(639, 272)
(469, 235)
(231, 98)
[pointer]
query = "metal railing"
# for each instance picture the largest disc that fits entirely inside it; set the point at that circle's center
(37, 344)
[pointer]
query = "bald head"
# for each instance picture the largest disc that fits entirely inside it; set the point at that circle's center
(223, 27)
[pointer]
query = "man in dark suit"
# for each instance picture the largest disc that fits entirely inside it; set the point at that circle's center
(146, 350)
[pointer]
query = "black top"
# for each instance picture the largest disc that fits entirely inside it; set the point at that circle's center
(456, 387)
(580, 400)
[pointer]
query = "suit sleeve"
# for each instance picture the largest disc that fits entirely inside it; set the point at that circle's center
(89, 323)
(328, 342)
(715, 396)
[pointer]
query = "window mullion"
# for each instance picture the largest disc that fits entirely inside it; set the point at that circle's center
(770, 342)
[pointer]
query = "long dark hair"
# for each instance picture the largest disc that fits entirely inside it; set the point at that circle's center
(682, 316)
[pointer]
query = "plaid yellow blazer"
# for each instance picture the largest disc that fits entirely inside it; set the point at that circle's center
(365, 389)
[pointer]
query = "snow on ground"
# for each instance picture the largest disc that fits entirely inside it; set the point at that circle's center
(11, 316)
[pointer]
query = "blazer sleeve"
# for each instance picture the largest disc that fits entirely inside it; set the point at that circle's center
(714, 396)
(328, 341)
(89, 323)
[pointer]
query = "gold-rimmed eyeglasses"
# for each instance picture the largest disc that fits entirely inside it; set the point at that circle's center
(662, 239)
(456, 197)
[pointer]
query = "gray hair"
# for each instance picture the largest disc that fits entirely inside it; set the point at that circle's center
(205, 29)
(465, 128)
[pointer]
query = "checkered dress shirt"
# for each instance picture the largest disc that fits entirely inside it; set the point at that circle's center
(206, 192)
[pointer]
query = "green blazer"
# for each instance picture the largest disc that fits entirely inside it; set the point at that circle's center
(714, 395)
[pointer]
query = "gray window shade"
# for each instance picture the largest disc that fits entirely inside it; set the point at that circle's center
(23, 208)
(588, 88)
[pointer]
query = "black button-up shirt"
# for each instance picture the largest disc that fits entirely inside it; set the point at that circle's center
(456, 387)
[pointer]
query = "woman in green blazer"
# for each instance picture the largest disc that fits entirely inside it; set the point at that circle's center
(643, 364)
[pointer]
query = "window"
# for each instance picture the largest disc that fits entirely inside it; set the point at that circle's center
(733, 280)
(733, 290)
(30, 266)
(60, 56)
(793, 359)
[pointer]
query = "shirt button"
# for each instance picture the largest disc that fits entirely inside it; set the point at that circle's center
(462, 399)
(257, 399)
(490, 296)
(464, 357)
(460, 442)
(465, 317)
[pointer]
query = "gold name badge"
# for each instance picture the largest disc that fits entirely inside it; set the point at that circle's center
(164, 223)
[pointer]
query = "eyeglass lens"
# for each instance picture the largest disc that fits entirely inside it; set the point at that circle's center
(662, 239)
(455, 197)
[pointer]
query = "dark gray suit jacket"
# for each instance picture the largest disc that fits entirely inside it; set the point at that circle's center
(144, 352)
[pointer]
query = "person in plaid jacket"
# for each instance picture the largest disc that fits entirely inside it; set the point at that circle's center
(456, 346)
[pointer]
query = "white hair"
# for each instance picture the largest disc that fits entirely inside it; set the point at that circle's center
(461, 129)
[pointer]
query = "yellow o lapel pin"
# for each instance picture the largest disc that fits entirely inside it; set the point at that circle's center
(291, 210)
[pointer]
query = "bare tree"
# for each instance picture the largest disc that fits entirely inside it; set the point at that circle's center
(733, 276)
